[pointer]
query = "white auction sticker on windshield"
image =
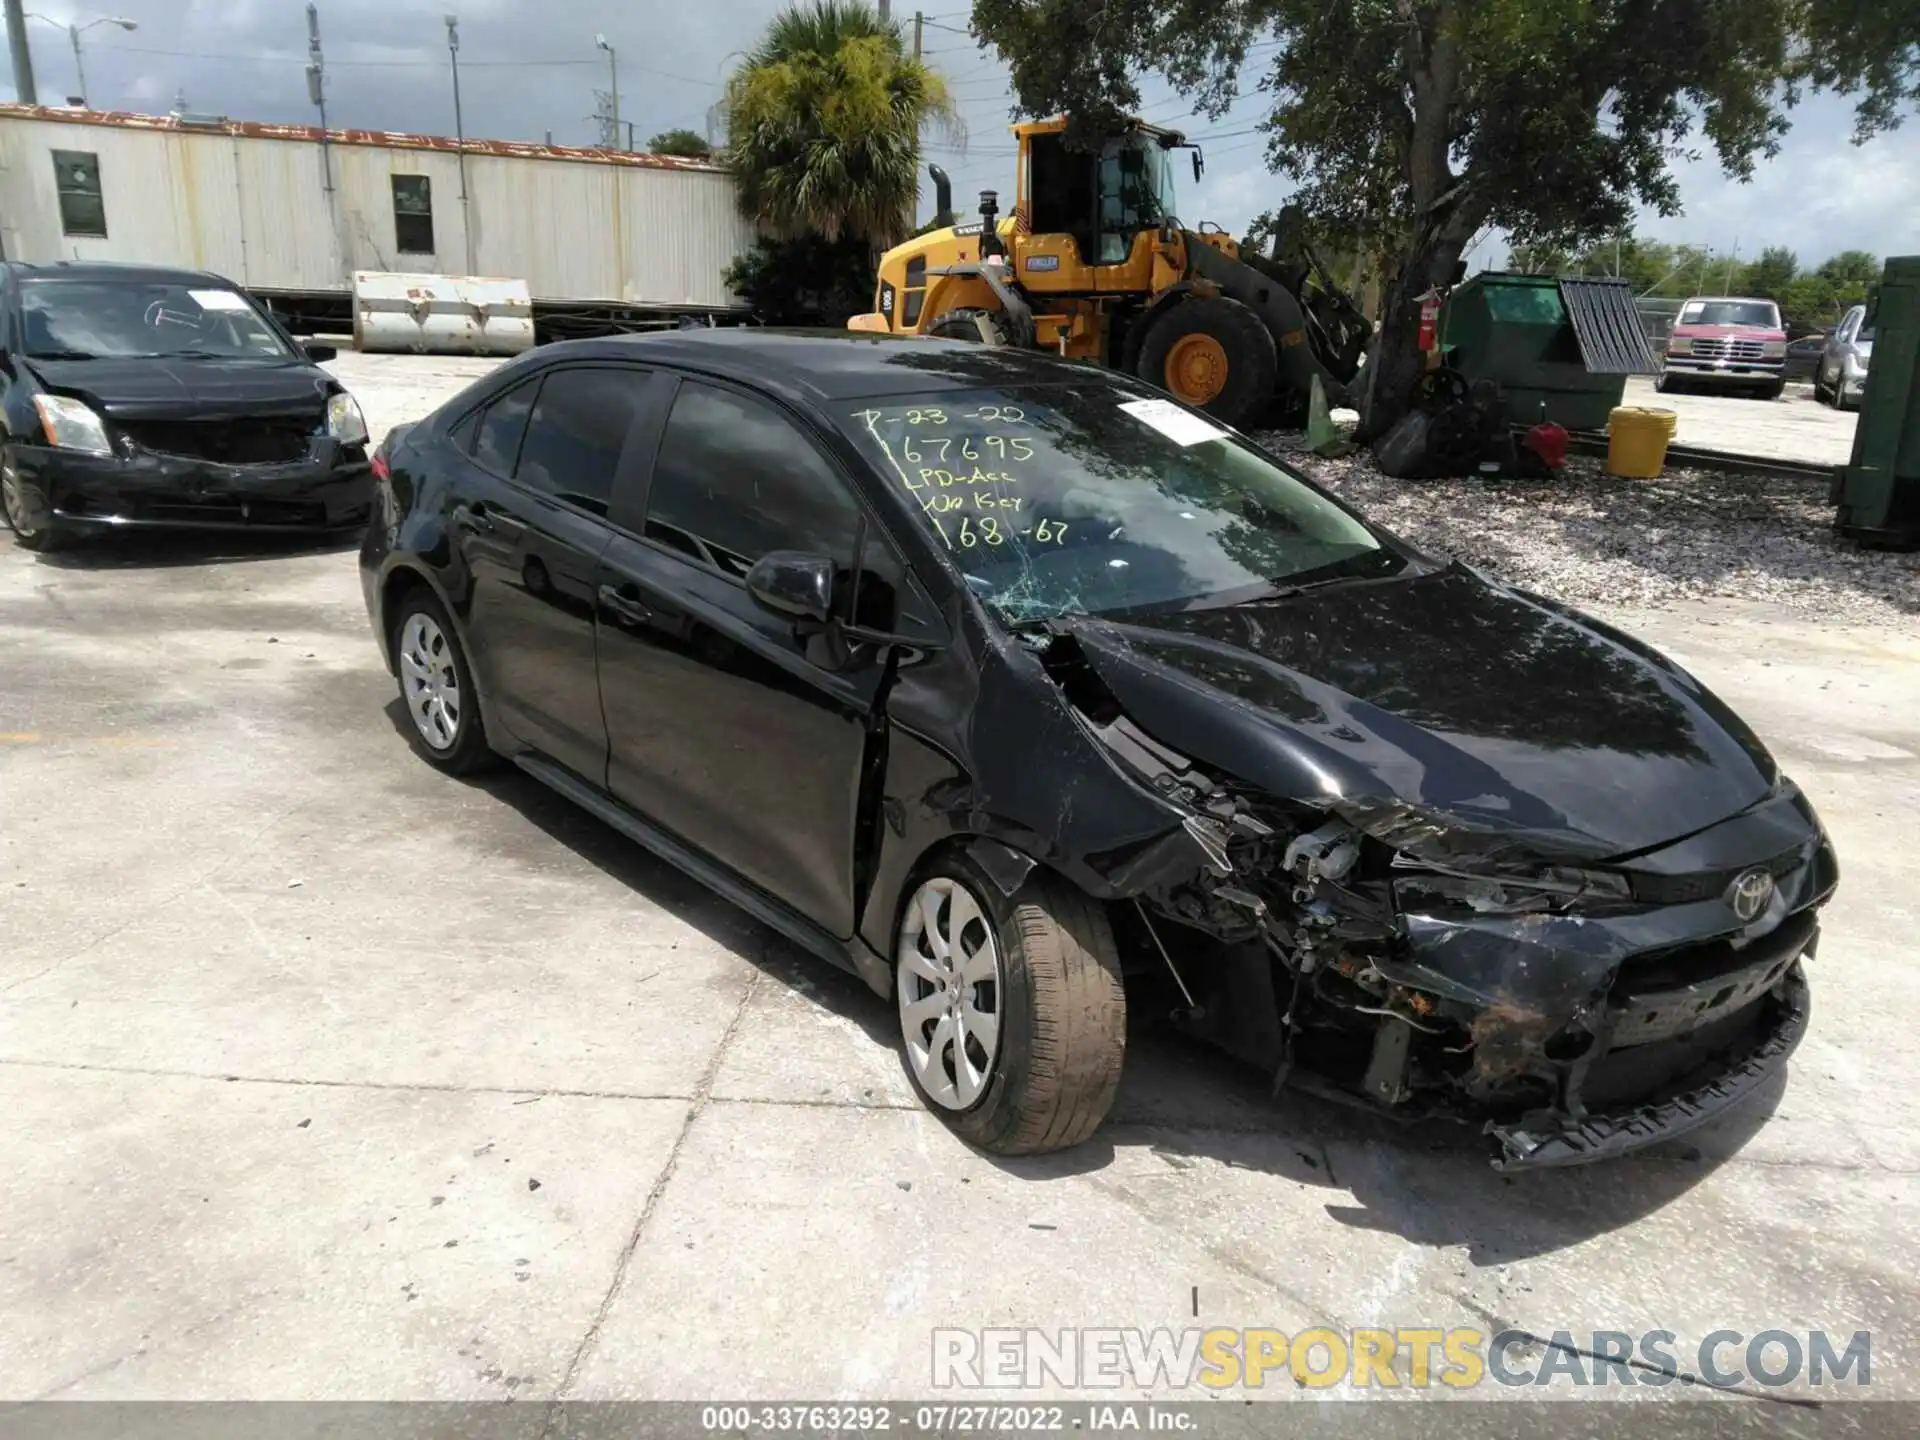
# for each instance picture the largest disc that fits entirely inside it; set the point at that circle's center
(218, 300)
(1171, 421)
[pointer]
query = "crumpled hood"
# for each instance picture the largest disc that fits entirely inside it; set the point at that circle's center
(1445, 693)
(195, 389)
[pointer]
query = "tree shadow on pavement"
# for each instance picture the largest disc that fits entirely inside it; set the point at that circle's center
(675, 892)
(1184, 1103)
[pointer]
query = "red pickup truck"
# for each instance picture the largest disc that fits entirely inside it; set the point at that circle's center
(1727, 342)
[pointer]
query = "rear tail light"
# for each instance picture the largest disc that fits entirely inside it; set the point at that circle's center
(379, 467)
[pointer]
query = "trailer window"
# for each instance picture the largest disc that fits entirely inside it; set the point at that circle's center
(76, 174)
(413, 214)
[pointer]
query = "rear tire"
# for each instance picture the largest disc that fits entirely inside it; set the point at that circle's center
(983, 327)
(437, 687)
(1213, 353)
(27, 513)
(1057, 1012)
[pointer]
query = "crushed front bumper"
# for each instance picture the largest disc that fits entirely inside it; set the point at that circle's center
(1731, 1077)
(329, 489)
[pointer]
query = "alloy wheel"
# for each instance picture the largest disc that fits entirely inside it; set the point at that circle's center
(431, 681)
(949, 983)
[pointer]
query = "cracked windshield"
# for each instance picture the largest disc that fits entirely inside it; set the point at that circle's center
(1087, 499)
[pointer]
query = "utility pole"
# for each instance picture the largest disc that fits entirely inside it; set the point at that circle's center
(460, 136)
(613, 72)
(919, 24)
(317, 93)
(1734, 255)
(22, 54)
(886, 11)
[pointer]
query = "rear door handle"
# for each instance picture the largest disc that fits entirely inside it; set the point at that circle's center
(626, 606)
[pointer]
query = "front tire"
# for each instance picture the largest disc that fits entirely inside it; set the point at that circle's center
(27, 513)
(1214, 354)
(1012, 1013)
(436, 686)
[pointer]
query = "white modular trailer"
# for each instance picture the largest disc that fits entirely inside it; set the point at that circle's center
(291, 210)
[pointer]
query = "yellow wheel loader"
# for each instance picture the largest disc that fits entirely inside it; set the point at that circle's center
(1094, 264)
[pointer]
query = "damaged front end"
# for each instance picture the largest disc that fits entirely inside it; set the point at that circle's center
(1577, 1005)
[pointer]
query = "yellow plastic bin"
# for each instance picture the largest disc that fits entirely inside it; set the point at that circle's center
(1637, 440)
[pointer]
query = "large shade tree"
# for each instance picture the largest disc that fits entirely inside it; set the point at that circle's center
(824, 120)
(1409, 125)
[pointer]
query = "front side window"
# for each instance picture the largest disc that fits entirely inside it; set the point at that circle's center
(735, 478)
(76, 175)
(1089, 498)
(575, 434)
(413, 214)
(497, 445)
(128, 319)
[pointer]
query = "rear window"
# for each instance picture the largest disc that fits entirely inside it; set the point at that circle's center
(1755, 314)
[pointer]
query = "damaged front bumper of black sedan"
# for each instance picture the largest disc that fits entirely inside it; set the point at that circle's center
(1574, 1009)
(322, 485)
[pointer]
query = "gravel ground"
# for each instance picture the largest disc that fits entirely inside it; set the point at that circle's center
(1587, 538)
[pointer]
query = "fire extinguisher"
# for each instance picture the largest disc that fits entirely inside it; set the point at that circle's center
(1430, 320)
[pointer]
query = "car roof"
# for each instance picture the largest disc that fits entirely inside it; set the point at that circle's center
(109, 270)
(833, 364)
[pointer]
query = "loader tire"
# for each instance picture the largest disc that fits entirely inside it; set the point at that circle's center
(1213, 353)
(981, 326)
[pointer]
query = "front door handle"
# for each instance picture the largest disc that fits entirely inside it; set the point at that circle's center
(474, 519)
(624, 604)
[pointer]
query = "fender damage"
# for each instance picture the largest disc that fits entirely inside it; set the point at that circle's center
(1500, 964)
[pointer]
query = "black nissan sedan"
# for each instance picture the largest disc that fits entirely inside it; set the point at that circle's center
(1022, 691)
(137, 397)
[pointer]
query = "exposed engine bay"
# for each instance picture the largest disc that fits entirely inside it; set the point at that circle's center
(1381, 953)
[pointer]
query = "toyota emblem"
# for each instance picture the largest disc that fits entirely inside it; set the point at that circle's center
(1749, 893)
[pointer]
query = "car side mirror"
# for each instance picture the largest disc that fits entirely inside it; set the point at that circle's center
(317, 353)
(791, 583)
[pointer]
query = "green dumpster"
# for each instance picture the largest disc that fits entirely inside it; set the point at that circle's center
(1560, 349)
(1877, 494)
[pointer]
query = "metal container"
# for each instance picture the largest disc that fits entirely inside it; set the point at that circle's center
(1560, 350)
(289, 209)
(1877, 494)
(441, 314)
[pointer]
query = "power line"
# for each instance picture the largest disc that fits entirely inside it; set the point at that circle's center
(433, 63)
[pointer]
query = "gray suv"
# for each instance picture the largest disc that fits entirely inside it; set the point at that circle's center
(1842, 375)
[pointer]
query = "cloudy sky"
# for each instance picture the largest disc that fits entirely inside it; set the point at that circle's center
(529, 67)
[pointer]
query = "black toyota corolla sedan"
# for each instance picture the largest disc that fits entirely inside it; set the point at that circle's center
(1018, 689)
(136, 397)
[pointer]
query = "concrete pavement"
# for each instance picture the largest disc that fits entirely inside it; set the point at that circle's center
(328, 1076)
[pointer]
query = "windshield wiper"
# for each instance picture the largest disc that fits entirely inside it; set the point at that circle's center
(61, 355)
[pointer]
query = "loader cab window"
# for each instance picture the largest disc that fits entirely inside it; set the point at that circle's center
(1136, 193)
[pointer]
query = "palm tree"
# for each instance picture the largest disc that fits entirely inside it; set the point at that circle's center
(824, 121)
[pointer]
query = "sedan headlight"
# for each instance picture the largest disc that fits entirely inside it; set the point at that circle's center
(345, 423)
(72, 425)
